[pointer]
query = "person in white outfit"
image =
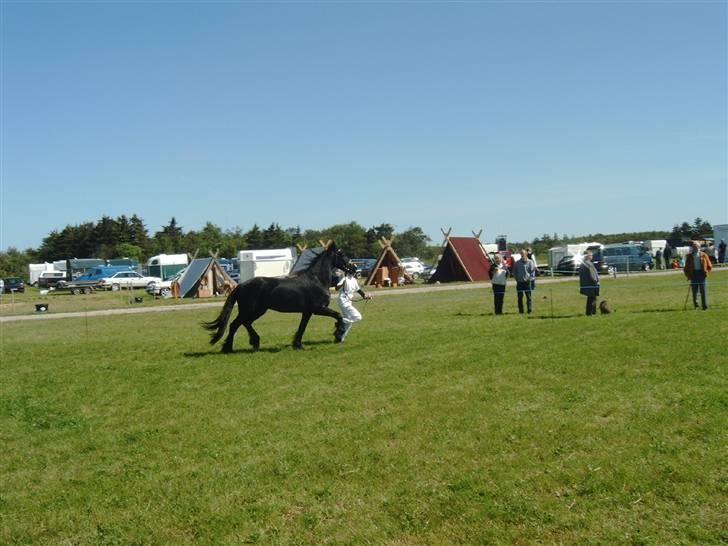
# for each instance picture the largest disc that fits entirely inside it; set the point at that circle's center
(347, 287)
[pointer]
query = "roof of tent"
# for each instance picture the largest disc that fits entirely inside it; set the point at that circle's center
(463, 259)
(387, 258)
(194, 272)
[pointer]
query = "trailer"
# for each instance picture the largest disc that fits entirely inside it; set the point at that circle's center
(78, 286)
(265, 263)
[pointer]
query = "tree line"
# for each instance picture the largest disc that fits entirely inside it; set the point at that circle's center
(128, 237)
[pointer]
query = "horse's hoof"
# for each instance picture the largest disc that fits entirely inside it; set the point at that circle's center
(226, 349)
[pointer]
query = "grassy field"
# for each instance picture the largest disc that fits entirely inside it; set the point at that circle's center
(435, 423)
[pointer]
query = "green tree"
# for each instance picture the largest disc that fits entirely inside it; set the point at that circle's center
(254, 238)
(275, 237)
(411, 242)
(168, 240)
(128, 250)
(14, 262)
(351, 238)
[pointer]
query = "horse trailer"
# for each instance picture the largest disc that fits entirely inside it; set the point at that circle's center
(265, 263)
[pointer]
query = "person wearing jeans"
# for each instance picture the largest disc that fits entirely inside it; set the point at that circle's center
(697, 267)
(525, 274)
(498, 274)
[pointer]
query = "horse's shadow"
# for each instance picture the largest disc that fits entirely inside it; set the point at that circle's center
(271, 350)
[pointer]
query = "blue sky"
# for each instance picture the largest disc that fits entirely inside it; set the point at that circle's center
(519, 118)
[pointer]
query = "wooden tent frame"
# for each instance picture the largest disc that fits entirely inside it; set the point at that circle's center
(387, 250)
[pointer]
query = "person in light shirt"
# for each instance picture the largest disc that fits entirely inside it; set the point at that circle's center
(347, 287)
(498, 275)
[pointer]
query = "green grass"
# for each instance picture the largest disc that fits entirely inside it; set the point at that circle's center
(435, 423)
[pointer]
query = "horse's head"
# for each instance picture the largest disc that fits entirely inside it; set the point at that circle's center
(341, 261)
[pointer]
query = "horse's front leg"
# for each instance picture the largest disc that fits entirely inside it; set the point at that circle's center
(340, 327)
(301, 329)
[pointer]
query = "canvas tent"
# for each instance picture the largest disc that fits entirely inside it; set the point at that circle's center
(203, 278)
(306, 257)
(388, 268)
(463, 259)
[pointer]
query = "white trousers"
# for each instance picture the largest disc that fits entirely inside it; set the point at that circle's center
(350, 314)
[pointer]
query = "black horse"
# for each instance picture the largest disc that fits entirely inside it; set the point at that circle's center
(306, 292)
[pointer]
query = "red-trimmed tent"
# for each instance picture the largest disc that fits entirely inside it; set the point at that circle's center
(463, 259)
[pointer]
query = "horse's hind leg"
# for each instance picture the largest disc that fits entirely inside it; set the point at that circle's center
(297, 339)
(227, 347)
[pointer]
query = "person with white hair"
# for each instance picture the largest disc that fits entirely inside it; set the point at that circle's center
(696, 269)
(589, 283)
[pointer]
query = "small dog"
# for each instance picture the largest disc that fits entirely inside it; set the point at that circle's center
(604, 308)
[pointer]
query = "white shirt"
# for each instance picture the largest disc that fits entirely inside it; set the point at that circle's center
(349, 287)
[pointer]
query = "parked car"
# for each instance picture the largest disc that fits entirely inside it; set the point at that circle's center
(164, 288)
(627, 257)
(413, 266)
(126, 279)
(363, 266)
(50, 279)
(428, 272)
(13, 284)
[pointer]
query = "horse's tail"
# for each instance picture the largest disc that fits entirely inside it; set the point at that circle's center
(218, 325)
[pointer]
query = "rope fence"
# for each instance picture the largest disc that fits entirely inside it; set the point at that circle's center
(664, 294)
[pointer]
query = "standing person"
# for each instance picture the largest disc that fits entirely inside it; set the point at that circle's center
(532, 257)
(721, 251)
(658, 260)
(666, 255)
(2, 286)
(589, 283)
(697, 267)
(525, 274)
(347, 287)
(498, 274)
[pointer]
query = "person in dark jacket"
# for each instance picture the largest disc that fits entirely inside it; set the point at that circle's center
(697, 267)
(667, 255)
(589, 283)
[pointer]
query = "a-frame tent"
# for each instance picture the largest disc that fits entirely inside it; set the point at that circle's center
(463, 259)
(203, 278)
(387, 266)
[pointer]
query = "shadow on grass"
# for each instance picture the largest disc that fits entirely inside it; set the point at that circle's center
(554, 317)
(249, 350)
